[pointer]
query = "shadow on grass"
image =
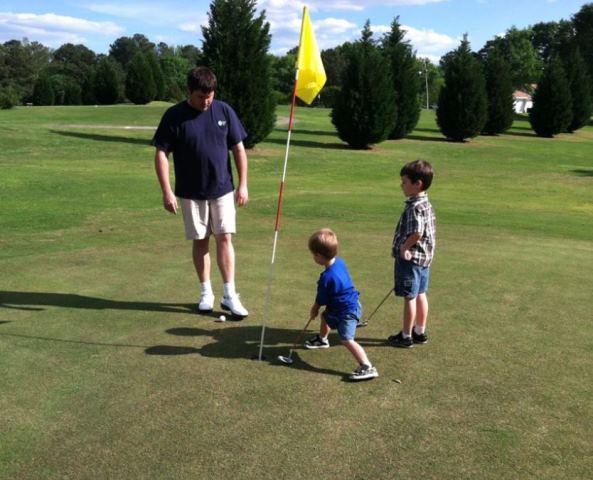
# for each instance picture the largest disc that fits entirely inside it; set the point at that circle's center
(583, 172)
(36, 301)
(520, 134)
(296, 131)
(309, 144)
(102, 138)
(66, 340)
(425, 139)
(520, 127)
(432, 130)
(240, 342)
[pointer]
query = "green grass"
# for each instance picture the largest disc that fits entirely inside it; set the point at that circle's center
(108, 374)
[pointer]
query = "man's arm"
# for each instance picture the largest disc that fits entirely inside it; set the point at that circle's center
(240, 157)
(161, 165)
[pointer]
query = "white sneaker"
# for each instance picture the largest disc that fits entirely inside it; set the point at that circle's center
(364, 372)
(206, 303)
(234, 305)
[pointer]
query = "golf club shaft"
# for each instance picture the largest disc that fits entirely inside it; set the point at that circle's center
(300, 336)
(379, 306)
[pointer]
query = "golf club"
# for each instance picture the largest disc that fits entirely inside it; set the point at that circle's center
(365, 322)
(288, 360)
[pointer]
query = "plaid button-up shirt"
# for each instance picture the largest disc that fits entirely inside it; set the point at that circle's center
(417, 217)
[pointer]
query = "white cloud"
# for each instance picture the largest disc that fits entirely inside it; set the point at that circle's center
(285, 23)
(53, 30)
(429, 43)
(356, 5)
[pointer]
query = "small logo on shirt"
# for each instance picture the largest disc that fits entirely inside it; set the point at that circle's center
(222, 123)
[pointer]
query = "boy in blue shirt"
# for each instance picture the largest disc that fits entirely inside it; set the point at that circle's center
(413, 250)
(335, 291)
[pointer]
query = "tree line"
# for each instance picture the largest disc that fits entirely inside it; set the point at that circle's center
(375, 87)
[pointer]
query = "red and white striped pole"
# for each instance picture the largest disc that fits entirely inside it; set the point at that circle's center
(278, 215)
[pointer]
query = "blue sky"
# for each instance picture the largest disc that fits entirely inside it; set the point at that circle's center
(434, 26)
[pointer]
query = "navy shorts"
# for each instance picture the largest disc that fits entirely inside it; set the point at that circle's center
(410, 279)
(346, 324)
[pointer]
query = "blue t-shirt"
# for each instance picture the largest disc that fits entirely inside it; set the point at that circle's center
(200, 143)
(335, 289)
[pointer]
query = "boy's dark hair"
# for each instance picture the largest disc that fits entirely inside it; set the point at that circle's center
(201, 78)
(324, 242)
(418, 170)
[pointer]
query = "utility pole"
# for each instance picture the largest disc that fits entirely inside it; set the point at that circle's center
(426, 81)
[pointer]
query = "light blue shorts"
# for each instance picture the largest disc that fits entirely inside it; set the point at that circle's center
(410, 279)
(345, 325)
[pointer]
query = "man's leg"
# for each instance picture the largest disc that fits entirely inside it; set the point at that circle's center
(225, 257)
(201, 257)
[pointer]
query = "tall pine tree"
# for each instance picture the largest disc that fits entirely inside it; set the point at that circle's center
(364, 113)
(106, 82)
(579, 83)
(499, 93)
(140, 86)
(552, 102)
(406, 81)
(235, 47)
(462, 108)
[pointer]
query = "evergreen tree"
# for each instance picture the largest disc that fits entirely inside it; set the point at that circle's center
(43, 93)
(124, 49)
(157, 75)
(8, 97)
(552, 102)
(175, 70)
(580, 89)
(88, 88)
(106, 82)
(462, 108)
(72, 92)
(235, 47)
(583, 27)
(365, 111)
(140, 86)
(499, 93)
(406, 81)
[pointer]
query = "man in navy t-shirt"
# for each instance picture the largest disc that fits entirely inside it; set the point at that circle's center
(199, 132)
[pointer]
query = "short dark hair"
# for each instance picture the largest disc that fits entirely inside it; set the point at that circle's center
(201, 78)
(324, 242)
(418, 170)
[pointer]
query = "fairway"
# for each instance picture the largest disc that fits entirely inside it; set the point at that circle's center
(108, 372)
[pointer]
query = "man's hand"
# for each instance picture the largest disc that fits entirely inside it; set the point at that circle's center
(170, 202)
(241, 196)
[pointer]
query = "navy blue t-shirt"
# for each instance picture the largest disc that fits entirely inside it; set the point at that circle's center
(336, 289)
(200, 143)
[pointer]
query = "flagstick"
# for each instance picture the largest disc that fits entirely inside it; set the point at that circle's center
(278, 215)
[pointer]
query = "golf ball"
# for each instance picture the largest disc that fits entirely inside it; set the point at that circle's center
(222, 318)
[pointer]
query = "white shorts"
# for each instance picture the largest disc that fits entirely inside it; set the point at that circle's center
(203, 217)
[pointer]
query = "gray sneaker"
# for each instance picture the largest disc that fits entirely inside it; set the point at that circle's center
(364, 372)
(316, 342)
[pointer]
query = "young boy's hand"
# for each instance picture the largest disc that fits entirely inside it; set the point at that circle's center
(314, 311)
(406, 254)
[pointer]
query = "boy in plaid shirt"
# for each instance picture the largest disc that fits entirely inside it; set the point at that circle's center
(413, 250)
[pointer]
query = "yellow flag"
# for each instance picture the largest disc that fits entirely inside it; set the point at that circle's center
(311, 74)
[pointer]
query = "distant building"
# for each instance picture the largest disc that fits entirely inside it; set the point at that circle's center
(522, 101)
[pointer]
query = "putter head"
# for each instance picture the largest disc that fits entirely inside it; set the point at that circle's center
(286, 360)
